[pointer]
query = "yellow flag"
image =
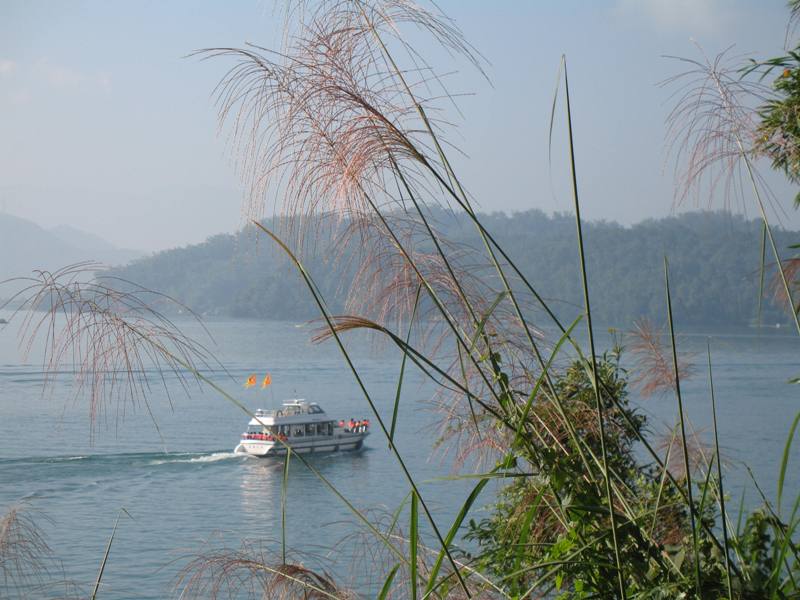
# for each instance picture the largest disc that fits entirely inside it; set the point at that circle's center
(251, 381)
(267, 381)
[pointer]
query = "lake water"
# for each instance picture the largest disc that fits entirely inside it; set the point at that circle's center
(186, 492)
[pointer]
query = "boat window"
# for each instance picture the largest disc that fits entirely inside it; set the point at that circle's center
(299, 431)
(310, 429)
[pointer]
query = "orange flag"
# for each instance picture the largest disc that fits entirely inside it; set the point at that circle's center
(251, 381)
(267, 381)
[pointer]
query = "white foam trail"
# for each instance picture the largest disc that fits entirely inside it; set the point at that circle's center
(67, 458)
(216, 456)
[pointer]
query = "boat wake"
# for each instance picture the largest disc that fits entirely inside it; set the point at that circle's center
(130, 459)
(195, 458)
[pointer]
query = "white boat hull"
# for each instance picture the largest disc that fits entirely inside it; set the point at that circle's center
(337, 443)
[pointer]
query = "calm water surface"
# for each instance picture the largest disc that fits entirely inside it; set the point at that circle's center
(187, 492)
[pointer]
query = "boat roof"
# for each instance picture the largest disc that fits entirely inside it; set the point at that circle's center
(296, 410)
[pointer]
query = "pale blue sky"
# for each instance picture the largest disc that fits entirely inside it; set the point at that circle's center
(105, 127)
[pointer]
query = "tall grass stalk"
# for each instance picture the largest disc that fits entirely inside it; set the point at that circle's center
(284, 494)
(396, 406)
(682, 420)
(103, 563)
(462, 199)
(590, 331)
(326, 315)
(721, 488)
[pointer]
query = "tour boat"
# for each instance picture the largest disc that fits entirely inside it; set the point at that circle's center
(302, 426)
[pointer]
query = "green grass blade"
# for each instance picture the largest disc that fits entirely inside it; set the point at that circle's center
(451, 534)
(561, 65)
(681, 417)
(599, 406)
(785, 459)
(387, 584)
(106, 553)
(785, 536)
(724, 515)
(740, 516)
(524, 533)
(463, 367)
(284, 490)
(782, 541)
(397, 512)
(484, 318)
(413, 535)
(706, 487)
(396, 407)
(532, 396)
(663, 480)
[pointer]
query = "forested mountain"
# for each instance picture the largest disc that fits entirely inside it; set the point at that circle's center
(714, 265)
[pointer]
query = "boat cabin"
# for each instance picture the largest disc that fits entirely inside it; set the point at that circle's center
(295, 419)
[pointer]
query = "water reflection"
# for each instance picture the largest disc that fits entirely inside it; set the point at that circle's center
(261, 488)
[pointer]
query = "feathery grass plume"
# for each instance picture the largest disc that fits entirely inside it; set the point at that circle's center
(700, 452)
(712, 128)
(794, 19)
(713, 136)
(324, 120)
(108, 332)
(388, 273)
(336, 128)
(24, 552)
(29, 567)
(652, 367)
(252, 572)
(791, 272)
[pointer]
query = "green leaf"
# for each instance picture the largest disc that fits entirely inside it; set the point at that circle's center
(403, 369)
(387, 585)
(785, 460)
(451, 534)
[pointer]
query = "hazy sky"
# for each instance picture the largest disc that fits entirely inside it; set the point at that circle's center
(106, 127)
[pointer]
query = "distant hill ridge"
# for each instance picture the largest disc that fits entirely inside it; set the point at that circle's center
(714, 260)
(25, 246)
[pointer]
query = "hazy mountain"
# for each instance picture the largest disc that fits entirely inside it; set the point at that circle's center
(94, 245)
(714, 263)
(25, 246)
